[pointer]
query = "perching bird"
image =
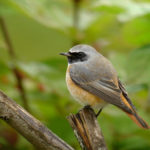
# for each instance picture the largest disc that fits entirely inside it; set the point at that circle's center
(92, 80)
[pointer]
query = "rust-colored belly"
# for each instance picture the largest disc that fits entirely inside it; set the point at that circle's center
(82, 96)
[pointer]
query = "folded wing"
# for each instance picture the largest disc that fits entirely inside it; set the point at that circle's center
(103, 87)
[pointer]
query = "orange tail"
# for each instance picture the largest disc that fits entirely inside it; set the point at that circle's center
(138, 120)
(134, 116)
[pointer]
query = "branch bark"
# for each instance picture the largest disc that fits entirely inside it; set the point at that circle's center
(87, 130)
(32, 129)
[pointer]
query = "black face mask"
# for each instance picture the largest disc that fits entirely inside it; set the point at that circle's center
(77, 57)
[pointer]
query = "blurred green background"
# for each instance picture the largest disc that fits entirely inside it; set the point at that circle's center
(40, 29)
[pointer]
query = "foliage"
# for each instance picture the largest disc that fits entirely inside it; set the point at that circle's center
(40, 29)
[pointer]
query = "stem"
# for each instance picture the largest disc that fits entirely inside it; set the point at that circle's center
(76, 20)
(14, 68)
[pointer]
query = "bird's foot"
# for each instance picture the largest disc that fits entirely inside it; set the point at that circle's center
(98, 113)
(85, 107)
(5, 118)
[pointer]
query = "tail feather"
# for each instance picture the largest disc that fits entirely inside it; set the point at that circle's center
(133, 115)
(138, 120)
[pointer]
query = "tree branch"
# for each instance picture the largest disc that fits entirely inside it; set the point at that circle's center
(14, 68)
(87, 130)
(32, 129)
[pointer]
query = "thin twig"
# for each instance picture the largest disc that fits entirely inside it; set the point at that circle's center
(87, 130)
(76, 4)
(13, 59)
(32, 129)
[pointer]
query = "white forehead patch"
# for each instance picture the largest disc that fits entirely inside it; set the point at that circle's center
(82, 48)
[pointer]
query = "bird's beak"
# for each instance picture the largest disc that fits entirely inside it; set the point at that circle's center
(66, 54)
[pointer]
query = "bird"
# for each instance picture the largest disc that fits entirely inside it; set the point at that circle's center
(93, 81)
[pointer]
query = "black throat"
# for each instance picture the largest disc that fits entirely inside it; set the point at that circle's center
(77, 57)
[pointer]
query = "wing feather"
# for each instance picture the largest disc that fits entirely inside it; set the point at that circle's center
(104, 88)
(125, 94)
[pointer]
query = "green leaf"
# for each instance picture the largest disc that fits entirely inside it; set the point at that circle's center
(46, 13)
(128, 5)
(137, 31)
(100, 28)
(109, 9)
(138, 66)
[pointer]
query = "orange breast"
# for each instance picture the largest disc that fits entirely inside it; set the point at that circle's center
(81, 95)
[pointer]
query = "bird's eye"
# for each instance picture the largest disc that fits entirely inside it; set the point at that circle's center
(81, 54)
